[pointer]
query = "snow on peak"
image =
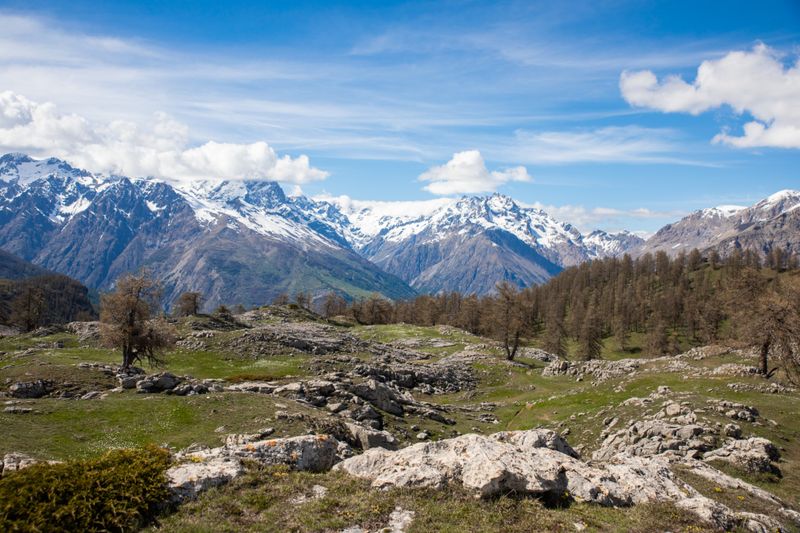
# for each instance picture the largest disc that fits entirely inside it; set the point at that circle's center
(725, 211)
(780, 196)
(25, 170)
(777, 204)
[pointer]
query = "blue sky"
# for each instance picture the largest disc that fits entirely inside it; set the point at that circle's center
(377, 94)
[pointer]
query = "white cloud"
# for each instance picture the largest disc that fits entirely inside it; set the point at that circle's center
(754, 82)
(161, 149)
(466, 173)
(617, 144)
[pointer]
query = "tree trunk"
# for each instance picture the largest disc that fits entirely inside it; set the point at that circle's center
(127, 356)
(763, 358)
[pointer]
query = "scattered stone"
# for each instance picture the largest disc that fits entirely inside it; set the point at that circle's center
(317, 493)
(17, 410)
(16, 461)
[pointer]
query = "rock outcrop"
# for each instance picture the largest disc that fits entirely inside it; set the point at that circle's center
(201, 469)
(539, 463)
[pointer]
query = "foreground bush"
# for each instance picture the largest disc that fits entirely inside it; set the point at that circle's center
(119, 491)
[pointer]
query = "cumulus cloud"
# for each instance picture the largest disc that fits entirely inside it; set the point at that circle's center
(466, 173)
(161, 149)
(756, 82)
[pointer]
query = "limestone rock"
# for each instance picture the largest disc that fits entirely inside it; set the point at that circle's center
(199, 474)
(16, 461)
(753, 455)
(158, 382)
(308, 452)
(369, 438)
(381, 396)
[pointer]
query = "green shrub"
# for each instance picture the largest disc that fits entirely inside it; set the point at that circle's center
(119, 491)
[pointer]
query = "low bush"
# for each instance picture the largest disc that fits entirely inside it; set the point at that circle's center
(120, 491)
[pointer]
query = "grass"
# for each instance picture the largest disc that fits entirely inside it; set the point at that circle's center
(523, 399)
(65, 429)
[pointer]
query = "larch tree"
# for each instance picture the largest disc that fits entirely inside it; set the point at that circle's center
(590, 338)
(189, 304)
(27, 308)
(508, 318)
(129, 322)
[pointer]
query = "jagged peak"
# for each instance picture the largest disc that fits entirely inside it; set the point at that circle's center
(16, 157)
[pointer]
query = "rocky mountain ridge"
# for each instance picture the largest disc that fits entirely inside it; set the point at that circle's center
(247, 241)
(773, 222)
(237, 242)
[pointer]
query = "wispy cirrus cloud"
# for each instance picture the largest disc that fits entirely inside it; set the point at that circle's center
(613, 144)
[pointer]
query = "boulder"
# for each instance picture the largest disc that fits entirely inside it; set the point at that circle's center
(308, 452)
(367, 438)
(30, 389)
(202, 472)
(381, 396)
(238, 440)
(16, 461)
(199, 470)
(158, 383)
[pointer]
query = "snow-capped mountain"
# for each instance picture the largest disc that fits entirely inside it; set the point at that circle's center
(247, 241)
(237, 242)
(769, 223)
(471, 243)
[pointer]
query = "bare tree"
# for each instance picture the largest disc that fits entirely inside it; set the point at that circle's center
(334, 305)
(27, 308)
(303, 300)
(128, 322)
(773, 328)
(188, 304)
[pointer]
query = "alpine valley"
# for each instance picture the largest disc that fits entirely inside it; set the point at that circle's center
(248, 242)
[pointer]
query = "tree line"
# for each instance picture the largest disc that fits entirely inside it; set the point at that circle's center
(691, 299)
(43, 300)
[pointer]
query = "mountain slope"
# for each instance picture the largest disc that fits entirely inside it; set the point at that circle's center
(64, 299)
(770, 223)
(471, 244)
(238, 242)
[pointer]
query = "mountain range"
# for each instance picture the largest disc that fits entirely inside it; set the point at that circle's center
(248, 242)
(772, 222)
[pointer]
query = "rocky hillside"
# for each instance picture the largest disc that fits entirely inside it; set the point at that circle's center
(236, 242)
(771, 223)
(414, 428)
